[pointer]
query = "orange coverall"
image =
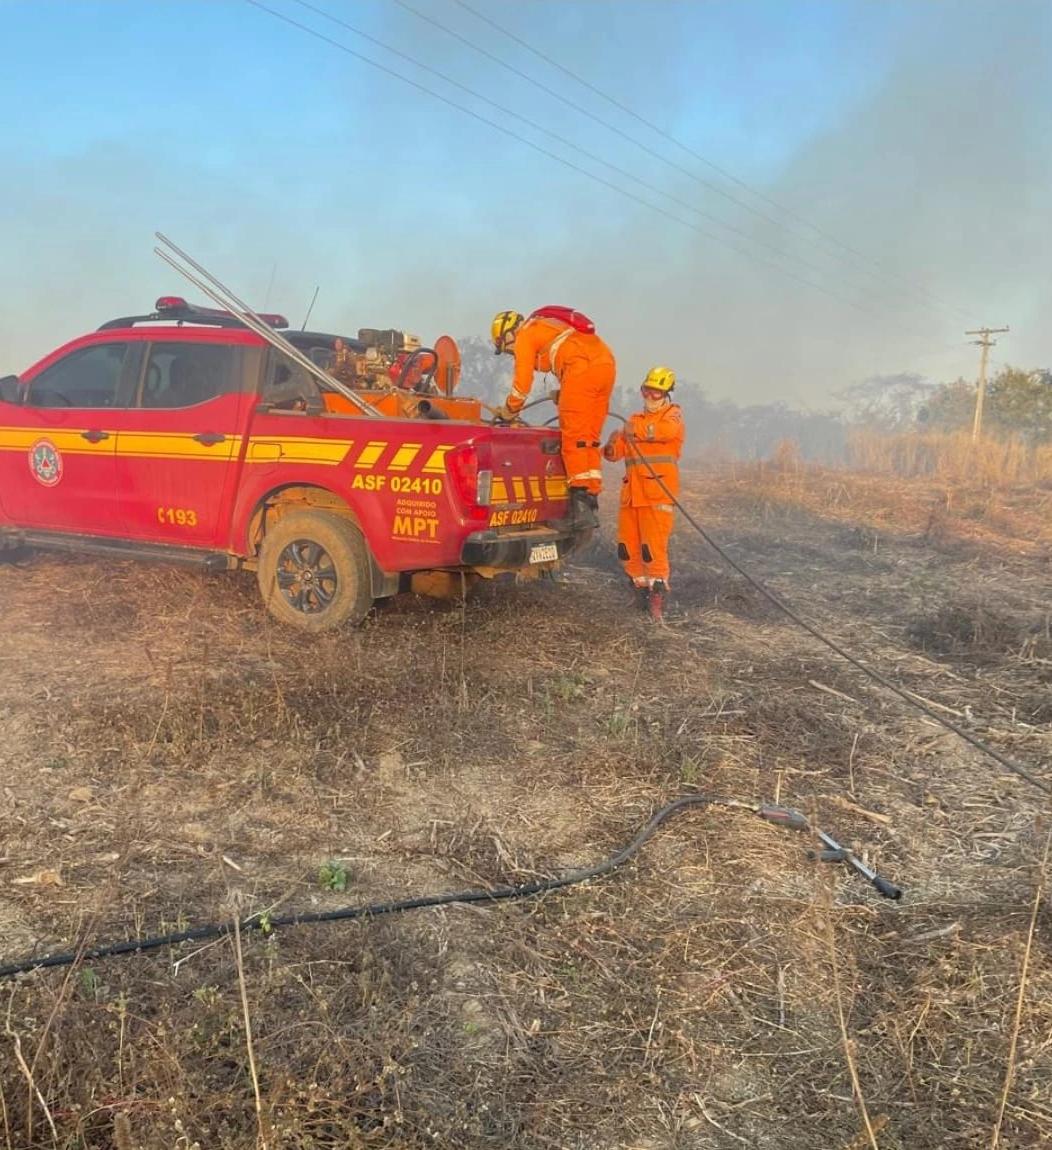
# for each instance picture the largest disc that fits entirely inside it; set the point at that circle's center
(645, 521)
(585, 368)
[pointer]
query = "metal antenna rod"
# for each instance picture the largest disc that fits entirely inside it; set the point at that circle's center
(226, 299)
(313, 300)
(219, 285)
(253, 323)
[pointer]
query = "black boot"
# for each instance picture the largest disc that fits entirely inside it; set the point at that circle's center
(641, 598)
(584, 509)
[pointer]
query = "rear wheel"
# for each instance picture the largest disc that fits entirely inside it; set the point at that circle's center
(314, 571)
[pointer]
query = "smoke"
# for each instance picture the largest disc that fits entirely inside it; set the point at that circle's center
(939, 175)
(935, 164)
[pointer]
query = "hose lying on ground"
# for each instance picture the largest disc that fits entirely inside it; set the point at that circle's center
(261, 923)
(875, 675)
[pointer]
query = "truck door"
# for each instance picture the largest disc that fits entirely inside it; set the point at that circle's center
(57, 447)
(179, 446)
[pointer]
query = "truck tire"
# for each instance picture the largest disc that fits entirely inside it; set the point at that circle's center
(314, 571)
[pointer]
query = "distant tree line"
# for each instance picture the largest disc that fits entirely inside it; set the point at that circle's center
(1018, 402)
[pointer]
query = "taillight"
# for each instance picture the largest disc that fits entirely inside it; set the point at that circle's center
(470, 472)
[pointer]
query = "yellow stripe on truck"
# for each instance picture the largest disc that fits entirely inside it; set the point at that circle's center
(263, 451)
(171, 445)
(370, 454)
(135, 444)
(436, 461)
(298, 449)
(404, 456)
(531, 489)
(67, 442)
(183, 445)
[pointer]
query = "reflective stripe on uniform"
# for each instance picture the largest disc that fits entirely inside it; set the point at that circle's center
(663, 507)
(587, 475)
(557, 343)
(642, 461)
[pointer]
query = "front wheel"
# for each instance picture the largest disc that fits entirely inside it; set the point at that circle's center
(314, 571)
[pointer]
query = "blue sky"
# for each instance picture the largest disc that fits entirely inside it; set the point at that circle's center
(916, 133)
(106, 70)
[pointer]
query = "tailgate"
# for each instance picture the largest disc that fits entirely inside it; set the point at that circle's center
(529, 480)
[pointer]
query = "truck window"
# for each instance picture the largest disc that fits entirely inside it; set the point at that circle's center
(87, 377)
(288, 385)
(184, 374)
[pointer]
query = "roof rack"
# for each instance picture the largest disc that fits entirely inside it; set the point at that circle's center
(173, 308)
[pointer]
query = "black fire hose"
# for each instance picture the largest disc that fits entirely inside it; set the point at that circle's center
(264, 924)
(525, 407)
(875, 675)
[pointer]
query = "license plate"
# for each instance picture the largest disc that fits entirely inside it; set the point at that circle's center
(544, 553)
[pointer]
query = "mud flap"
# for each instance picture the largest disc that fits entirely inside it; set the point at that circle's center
(382, 584)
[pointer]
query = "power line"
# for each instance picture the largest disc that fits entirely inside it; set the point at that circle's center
(958, 346)
(505, 131)
(869, 265)
(567, 143)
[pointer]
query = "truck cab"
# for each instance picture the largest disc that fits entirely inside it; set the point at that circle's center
(184, 436)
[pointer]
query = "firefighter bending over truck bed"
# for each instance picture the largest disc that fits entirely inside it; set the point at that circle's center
(650, 445)
(563, 341)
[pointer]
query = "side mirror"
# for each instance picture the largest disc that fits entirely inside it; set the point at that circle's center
(10, 391)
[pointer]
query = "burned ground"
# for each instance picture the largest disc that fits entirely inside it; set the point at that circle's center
(173, 758)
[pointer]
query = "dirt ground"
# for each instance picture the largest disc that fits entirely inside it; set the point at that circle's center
(171, 757)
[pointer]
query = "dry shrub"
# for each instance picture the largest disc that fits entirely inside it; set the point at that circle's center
(786, 455)
(980, 630)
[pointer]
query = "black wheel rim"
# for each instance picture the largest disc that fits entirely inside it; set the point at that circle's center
(306, 577)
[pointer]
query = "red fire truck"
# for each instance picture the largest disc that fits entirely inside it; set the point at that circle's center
(185, 435)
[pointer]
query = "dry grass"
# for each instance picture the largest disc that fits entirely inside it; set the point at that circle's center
(944, 515)
(169, 754)
(993, 461)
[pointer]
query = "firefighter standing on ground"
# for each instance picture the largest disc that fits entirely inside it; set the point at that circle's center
(655, 435)
(585, 368)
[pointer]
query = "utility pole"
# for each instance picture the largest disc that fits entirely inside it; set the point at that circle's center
(985, 342)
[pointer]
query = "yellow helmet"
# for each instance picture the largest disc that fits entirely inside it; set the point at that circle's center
(660, 379)
(505, 324)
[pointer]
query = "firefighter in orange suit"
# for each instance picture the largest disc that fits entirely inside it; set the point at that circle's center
(653, 435)
(585, 368)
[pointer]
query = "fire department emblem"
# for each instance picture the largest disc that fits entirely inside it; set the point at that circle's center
(45, 462)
